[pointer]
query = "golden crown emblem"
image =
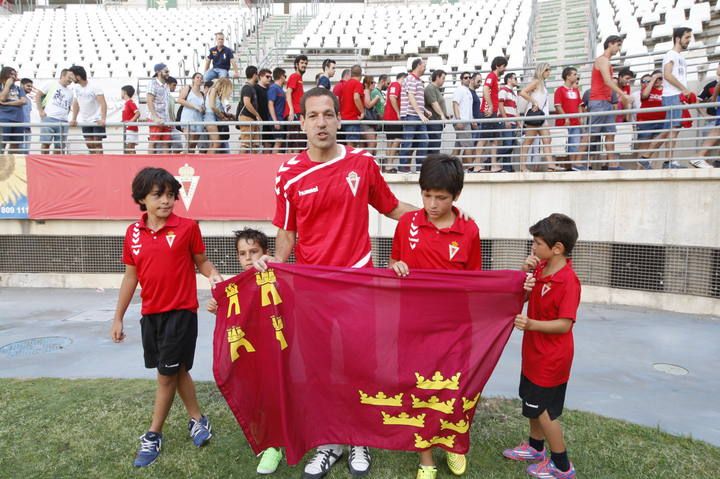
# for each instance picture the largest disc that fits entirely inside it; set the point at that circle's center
(235, 334)
(381, 399)
(461, 426)
(404, 419)
(266, 277)
(455, 243)
(231, 289)
(469, 404)
(438, 382)
(186, 172)
(421, 443)
(433, 403)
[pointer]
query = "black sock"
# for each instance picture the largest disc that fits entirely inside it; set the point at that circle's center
(537, 444)
(560, 460)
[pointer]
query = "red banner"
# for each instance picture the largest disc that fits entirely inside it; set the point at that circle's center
(217, 187)
(313, 355)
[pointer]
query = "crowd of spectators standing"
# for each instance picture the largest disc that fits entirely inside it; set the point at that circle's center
(411, 115)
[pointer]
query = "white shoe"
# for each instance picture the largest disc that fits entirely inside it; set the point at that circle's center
(700, 164)
(320, 464)
(359, 460)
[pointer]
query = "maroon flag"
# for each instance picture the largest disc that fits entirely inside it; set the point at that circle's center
(313, 355)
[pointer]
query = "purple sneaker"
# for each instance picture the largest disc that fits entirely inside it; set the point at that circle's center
(524, 452)
(547, 470)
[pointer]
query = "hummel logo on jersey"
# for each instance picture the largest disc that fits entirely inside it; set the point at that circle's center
(454, 248)
(353, 180)
(136, 240)
(309, 191)
(545, 289)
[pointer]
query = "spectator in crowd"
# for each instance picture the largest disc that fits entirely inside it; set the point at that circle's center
(435, 102)
(412, 109)
(192, 100)
(476, 82)
(369, 132)
(215, 98)
(625, 78)
(567, 102)
(12, 101)
(27, 86)
(352, 106)
(463, 111)
(158, 103)
(53, 103)
(602, 86)
(379, 92)
(278, 107)
(130, 114)
(489, 108)
(650, 124)
(393, 132)
(261, 88)
(222, 58)
(709, 95)
(90, 105)
(247, 111)
(294, 93)
(535, 93)
(507, 105)
(344, 77)
(328, 71)
(176, 139)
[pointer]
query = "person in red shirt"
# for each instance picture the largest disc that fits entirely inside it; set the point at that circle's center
(294, 92)
(547, 348)
(322, 199)
(567, 101)
(130, 114)
(352, 106)
(650, 124)
(161, 251)
(393, 132)
(490, 107)
(437, 237)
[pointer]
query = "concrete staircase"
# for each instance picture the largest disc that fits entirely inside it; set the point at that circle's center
(561, 31)
(275, 32)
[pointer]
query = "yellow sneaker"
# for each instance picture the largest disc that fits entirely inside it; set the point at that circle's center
(457, 463)
(426, 472)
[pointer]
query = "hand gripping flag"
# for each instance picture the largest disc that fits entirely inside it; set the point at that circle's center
(313, 355)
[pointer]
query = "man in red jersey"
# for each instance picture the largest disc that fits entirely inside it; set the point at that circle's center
(294, 92)
(321, 212)
(352, 106)
(392, 113)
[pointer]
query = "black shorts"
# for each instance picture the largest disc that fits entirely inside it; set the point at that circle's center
(393, 132)
(168, 340)
(277, 135)
(536, 399)
(489, 130)
(94, 131)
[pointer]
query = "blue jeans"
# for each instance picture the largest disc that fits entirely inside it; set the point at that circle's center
(508, 142)
(434, 139)
(573, 140)
(415, 137)
(214, 73)
(673, 117)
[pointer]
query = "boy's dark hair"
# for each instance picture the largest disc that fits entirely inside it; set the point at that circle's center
(79, 72)
(251, 235)
(25, 81)
(129, 90)
(300, 58)
(610, 40)
(278, 73)
(208, 84)
(327, 63)
(264, 71)
(148, 178)
(319, 91)
(556, 228)
(381, 78)
(567, 71)
(498, 62)
(171, 81)
(251, 71)
(442, 172)
(626, 72)
(508, 77)
(415, 63)
(400, 76)
(679, 32)
(437, 74)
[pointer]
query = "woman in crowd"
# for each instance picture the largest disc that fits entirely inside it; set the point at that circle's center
(218, 94)
(536, 94)
(369, 131)
(192, 100)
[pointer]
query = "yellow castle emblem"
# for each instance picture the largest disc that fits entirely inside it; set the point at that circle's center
(461, 426)
(438, 382)
(268, 291)
(469, 404)
(237, 340)
(421, 443)
(433, 403)
(381, 399)
(278, 326)
(231, 291)
(404, 419)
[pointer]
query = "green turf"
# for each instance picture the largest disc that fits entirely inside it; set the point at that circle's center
(89, 429)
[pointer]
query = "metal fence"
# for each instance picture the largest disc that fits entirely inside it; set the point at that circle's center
(483, 145)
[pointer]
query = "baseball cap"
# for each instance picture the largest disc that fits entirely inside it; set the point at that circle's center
(159, 67)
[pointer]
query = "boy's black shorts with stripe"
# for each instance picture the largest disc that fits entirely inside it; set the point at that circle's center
(536, 399)
(168, 340)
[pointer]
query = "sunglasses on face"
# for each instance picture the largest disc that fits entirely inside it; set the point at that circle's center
(465, 78)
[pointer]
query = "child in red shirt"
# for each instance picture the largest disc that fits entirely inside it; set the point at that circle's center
(160, 252)
(130, 114)
(437, 237)
(547, 349)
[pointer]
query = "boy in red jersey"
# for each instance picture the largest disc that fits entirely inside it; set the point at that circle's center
(547, 349)
(160, 252)
(437, 237)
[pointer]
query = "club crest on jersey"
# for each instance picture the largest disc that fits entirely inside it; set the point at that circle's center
(170, 238)
(454, 248)
(353, 180)
(188, 184)
(545, 289)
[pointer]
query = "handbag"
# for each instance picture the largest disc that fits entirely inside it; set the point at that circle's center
(178, 115)
(539, 112)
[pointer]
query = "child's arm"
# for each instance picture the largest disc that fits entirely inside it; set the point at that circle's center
(400, 267)
(207, 269)
(127, 289)
(556, 326)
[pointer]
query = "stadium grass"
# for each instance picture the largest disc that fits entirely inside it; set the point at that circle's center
(59, 428)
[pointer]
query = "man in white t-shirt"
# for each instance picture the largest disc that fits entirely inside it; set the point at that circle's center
(53, 102)
(462, 103)
(89, 103)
